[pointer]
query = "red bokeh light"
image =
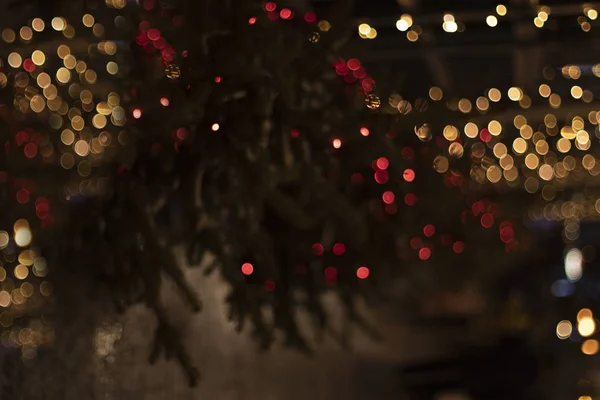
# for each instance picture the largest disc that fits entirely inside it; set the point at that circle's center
(381, 177)
(30, 150)
(330, 273)
(429, 230)
(23, 196)
(458, 247)
(295, 133)
(365, 131)
(485, 135)
(247, 269)
(362, 273)
(487, 220)
(424, 253)
(339, 249)
(382, 163)
(269, 285)
(153, 34)
(215, 127)
(353, 64)
(286, 13)
(337, 143)
(270, 6)
(28, 65)
(252, 20)
(318, 249)
(356, 178)
(164, 102)
(218, 79)
(310, 17)
(410, 199)
(416, 243)
(137, 113)
(409, 175)
(391, 209)
(388, 197)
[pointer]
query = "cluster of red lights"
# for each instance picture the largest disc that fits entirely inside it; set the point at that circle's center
(487, 213)
(424, 246)
(28, 140)
(151, 40)
(353, 72)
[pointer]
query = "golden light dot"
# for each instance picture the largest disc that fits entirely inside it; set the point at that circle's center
(563, 145)
(112, 67)
(555, 100)
(80, 67)
(2, 274)
(63, 51)
(50, 92)
(585, 398)
(404, 22)
(495, 127)
(26, 33)
(471, 130)
(541, 146)
(371, 35)
(21, 271)
(531, 185)
(77, 123)
(26, 257)
(23, 237)
(38, 57)
(58, 23)
(500, 150)
(435, 93)
(4, 299)
(519, 146)
(507, 162)
(588, 162)
(515, 93)
(14, 60)
(46, 288)
(584, 313)
(546, 172)
(324, 25)
(532, 161)
(63, 75)
(364, 29)
(456, 150)
(82, 148)
(592, 14)
(494, 95)
(576, 92)
(464, 105)
(99, 121)
(482, 103)
(590, 347)
(8, 35)
(412, 36)
(564, 329)
(494, 174)
(545, 90)
(511, 174)
(43, 80)
(38, 24)
(537, 21)
(501, 10)
(37, 103)
(450, 133)
(67, 137)
(67, 161)
(582, 138)
(491, 20)
(91, 76)
(4, 238)
(88, 20)
(441, 164)
(70, 61)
